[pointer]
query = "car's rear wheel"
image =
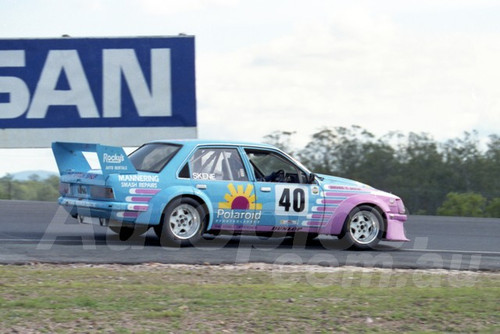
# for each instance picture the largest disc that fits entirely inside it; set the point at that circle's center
(183, 223)
(363, 228)
(125, 232)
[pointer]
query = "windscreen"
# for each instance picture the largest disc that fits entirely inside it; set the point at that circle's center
(153, 157)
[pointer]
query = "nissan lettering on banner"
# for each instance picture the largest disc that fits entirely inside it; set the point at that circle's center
(118, 91)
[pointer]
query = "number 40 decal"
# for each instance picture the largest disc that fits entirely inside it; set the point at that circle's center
(292, 200)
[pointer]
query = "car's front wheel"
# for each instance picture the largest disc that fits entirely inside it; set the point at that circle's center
(363, 228)
(183, 223)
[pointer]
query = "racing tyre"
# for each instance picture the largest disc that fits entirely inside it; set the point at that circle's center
(363, 228)
(125, 232)
(183, 223)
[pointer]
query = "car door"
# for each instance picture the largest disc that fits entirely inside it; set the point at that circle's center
(289, 203)
(219, 172)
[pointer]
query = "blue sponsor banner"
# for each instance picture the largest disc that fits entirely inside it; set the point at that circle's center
(97, 83)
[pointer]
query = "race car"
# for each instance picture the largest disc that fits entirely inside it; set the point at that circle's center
(187, 189)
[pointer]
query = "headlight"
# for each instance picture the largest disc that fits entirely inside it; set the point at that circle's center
(401, 206)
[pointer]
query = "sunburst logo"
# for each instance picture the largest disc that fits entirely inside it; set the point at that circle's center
(240, 198)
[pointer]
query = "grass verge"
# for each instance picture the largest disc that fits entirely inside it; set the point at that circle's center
(248, 298)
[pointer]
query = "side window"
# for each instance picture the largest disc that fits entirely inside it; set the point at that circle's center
(272, 167)
(184, 173)
(222, 164)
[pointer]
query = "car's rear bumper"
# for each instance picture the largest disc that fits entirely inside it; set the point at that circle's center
(120, 211)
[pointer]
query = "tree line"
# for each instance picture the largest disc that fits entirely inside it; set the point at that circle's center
(33, 189)
(459, 176)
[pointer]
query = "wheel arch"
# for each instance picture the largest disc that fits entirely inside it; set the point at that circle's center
(194, 197)
(160, 202)
(379, 210)
(336, 223)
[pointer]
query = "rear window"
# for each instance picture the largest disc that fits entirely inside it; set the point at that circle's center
(153, 157)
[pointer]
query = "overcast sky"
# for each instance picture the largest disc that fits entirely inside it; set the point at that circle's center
(263, 65)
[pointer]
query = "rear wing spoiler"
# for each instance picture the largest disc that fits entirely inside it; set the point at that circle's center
(70, 158)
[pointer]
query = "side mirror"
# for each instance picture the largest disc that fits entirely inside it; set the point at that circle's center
(311, 178)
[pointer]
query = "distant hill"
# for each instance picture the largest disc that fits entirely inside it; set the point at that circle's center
(25, 175)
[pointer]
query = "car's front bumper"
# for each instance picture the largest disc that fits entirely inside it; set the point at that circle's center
(395, 227)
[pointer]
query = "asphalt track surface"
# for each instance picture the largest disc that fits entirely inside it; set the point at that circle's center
(42, 232)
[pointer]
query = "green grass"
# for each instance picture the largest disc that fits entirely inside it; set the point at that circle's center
(135, 299)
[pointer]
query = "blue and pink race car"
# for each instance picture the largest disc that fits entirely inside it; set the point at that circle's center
(186, 189)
